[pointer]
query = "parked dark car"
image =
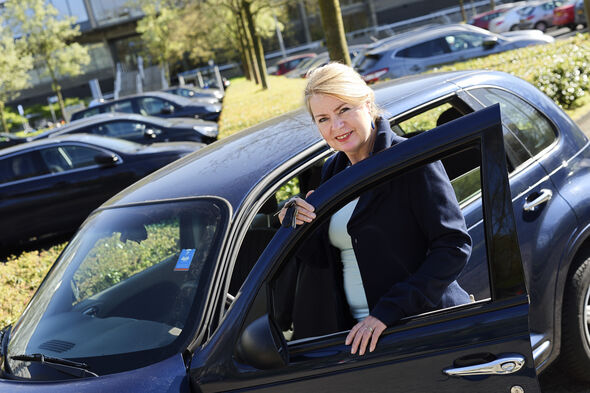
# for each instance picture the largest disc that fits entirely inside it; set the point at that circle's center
(48, 187)
(139, 129)
(158, 104)
(7, 140)
(437, 45)
(189, 92)
(205, 276)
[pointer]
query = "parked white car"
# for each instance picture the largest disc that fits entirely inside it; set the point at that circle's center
(508, 21)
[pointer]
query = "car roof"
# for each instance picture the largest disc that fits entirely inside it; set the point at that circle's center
(249, 156)
(96, 140)
(420, 35)
(160, 94)
(293, 57)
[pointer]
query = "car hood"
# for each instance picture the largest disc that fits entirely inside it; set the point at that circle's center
(518, 35)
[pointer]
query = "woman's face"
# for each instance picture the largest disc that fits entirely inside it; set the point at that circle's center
(345, 127)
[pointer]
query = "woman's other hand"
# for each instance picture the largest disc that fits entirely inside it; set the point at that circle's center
(304, 211)
(369, 329)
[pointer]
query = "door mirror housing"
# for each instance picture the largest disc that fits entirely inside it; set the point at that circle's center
(262, 345)
(150, 133)
(106, 159)
(167, 109)
(490, 42)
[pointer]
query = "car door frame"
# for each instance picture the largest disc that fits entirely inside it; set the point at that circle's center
(214, 365)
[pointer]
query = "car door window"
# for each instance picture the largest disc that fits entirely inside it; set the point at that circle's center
(56, 159)
(121, 129)
(435, 47)
(80, 156)
(462, 41)
(23, 166)
(528, 125)
(151, 105)
(123, 106)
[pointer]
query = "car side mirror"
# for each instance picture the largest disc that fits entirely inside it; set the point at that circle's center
(167, 109)
(262, 345)
(149, 133)
(489, 43)
(105, 159)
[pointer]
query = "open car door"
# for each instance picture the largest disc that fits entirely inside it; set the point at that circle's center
(483, 346)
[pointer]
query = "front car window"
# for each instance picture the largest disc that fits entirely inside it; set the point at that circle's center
(463, 41)
(121, 129)
(127, 292)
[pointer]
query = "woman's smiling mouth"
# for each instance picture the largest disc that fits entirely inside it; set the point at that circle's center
(343, 136)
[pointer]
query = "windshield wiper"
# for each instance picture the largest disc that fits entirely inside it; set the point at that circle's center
(65, 366)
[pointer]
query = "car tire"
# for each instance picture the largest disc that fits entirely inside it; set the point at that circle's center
(575, 335)
(513, 27)
(541, 26)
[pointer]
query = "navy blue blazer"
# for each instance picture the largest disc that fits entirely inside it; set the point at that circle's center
(410, 241)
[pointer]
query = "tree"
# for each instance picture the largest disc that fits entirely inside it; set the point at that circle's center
(14, 67)
(334, 30)
(587, 11)
(48, 40)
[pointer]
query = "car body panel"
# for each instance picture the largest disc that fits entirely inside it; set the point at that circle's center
(325, 361)
(438, 45)
(139, 129)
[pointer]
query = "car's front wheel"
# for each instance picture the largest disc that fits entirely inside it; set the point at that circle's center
(575, 335)
(541, 26)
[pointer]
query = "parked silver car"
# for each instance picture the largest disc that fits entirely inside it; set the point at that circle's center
(538, 15)
(436, 45)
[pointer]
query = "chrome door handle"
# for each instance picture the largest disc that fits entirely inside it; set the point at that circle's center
(544, 196)
(505, 365)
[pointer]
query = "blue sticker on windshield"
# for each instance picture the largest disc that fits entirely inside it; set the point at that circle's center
(184, 259)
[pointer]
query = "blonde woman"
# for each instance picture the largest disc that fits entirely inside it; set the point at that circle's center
(400, 247)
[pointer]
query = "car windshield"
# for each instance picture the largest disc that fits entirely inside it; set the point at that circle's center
(128, 291)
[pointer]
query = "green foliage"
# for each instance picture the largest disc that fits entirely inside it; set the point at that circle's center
(47, 38)
(242, 96)
(559, 69)
(19, 278)
(289, 189)
(14, 65)
(14, 120)
(565, 78)
(112, 260)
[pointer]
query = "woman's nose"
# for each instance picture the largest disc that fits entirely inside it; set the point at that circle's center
(337, 122)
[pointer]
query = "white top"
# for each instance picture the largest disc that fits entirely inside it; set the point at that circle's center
(353, 284)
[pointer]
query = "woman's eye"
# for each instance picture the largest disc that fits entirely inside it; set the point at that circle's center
(322, 119)
(345, 109)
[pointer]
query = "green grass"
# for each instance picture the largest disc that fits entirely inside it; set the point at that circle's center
(247, 104)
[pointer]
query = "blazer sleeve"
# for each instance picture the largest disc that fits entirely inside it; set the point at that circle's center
(432, 201)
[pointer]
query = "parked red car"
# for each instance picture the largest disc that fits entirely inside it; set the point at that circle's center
(287, 64)
(483, 20)
(564, 15)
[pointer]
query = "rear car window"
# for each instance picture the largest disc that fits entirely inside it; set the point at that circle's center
(437, 46)
(528, 124)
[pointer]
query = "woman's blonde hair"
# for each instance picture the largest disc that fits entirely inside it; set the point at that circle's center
(342, 82)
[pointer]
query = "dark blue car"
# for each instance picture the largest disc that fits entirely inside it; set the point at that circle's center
(184, 282)
(157, 103)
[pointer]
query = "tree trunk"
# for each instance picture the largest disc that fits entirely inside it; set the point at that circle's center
(492, 4)
(334, 30)
(4, 125)
(57, 88)
(246, 65)
(257, 45)
(587, 11)
(249, 47)
(463, 11)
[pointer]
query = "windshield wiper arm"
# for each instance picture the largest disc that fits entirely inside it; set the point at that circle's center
(69, 367)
